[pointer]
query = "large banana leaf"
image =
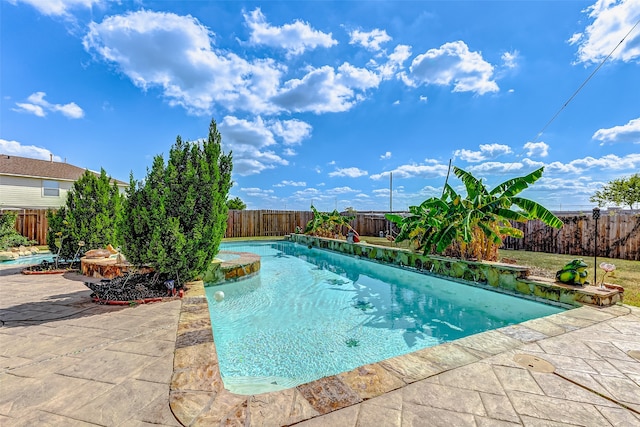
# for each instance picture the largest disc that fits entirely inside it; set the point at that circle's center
(471, 183)
(537, 211)
(514, 186)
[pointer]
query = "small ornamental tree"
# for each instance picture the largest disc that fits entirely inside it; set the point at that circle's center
(175, 219)
(622, 191)
(91, 214)
(236, 204)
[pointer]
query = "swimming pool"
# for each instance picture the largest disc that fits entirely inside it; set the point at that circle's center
(30, 260)
(312, 313)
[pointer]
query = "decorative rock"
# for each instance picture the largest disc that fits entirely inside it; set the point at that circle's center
(8, 256)
(97, 253)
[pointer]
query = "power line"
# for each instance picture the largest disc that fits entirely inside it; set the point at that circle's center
(585, 82)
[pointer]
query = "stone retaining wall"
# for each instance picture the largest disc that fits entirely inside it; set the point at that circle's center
(247, 264)
(506, 278)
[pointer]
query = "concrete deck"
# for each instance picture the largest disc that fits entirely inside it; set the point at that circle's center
(67, 361)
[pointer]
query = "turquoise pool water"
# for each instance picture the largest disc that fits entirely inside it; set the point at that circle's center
(29, 260)
(311, 313)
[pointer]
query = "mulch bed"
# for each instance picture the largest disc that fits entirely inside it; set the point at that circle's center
(133, 289)
(46, 267)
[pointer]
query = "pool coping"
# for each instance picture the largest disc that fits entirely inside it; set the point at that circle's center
(197, 395)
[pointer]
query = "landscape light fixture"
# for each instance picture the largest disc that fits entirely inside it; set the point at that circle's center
(596, 216)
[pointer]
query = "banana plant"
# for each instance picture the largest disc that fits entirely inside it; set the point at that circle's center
(473, 226)
(327, 224)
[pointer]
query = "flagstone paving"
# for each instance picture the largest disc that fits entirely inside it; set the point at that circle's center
(67, 361)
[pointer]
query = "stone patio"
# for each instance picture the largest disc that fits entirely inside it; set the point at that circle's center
(67, 361)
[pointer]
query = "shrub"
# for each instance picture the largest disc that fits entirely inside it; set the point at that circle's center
(9, 237)
(175, 219)
(91, 214)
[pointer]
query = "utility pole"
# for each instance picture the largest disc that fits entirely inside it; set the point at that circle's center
(390, 192)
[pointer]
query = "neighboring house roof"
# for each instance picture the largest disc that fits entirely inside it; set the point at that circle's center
(47, 169)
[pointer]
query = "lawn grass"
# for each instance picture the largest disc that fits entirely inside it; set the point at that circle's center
(627, 273)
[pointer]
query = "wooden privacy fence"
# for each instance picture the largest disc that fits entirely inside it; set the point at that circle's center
(618, 236)
(618, 233)
(278, 223)
(265, 222)
(32, 223)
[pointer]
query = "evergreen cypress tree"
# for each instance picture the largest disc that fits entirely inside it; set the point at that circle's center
(91, 214)
(177, 217)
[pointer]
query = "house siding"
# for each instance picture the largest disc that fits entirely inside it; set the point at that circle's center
(27, 193)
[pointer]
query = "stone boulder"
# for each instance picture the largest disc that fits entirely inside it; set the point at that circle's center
(97, 253)
(8, 256)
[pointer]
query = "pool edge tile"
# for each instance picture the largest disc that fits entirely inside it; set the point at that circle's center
(206, 401)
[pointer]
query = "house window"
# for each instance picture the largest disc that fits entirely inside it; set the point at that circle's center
(50, 188)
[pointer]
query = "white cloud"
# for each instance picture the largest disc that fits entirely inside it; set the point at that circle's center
(323, 90)
(248, 140)
(497, 168)
(370, 40)
(625, 133)
(386, 155)
(532, 164)
(38, 106)
(320, 91)
(341, 190)
(257, 192)
(286, 183)
(431, 169)
(292, 132)
(510, 59)
(539, 149)
(174, 53)
(295, 38)
(359, 78)
(24, 107)
(59, 7)
(396, 102)
(607, 163)
(308, 193)
(348, 172)
(453, 64)
(487, 151)
(17, 149)
(394, 62)
(612, 20)
(289, 152)
(423, 98)
(575, 185)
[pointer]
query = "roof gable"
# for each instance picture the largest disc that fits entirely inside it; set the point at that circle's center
(47, 169)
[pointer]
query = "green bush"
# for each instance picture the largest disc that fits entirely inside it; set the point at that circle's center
(9, 237)
(91, 214)
(175, 219)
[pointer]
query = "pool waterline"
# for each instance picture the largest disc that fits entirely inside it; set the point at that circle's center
(30, 259)
(382, 312)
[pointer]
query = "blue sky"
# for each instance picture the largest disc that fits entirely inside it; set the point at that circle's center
(319, 101)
